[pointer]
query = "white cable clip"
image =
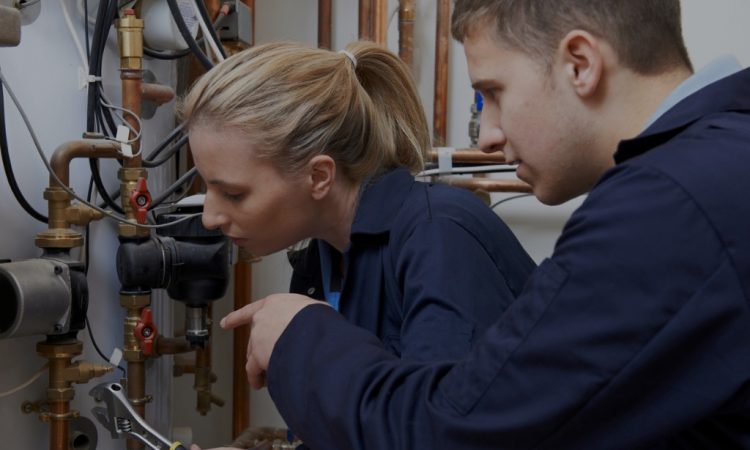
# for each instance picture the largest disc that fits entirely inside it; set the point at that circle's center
(116, 357)
(84, 79)
(445, 159)
(123, 136)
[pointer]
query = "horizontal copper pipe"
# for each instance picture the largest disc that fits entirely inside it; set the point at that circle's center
(488, 185)
(172, 346)
(157, 93)
(83, 148)
(471, 156)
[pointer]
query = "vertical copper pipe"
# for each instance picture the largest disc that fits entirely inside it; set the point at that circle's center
(136, 395)
(240, 399)
(406, 15)
(365, 20)
(441, 73)
(379, 21)
(324, 23)
(59, 427)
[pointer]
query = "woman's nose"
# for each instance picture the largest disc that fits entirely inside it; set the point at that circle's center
(212, 218)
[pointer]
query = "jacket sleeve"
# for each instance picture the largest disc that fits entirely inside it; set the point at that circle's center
(634, 329)
(451, 289)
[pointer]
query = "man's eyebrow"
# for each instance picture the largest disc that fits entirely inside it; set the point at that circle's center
(483, 84)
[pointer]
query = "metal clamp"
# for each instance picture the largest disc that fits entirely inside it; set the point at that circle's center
(121, 420)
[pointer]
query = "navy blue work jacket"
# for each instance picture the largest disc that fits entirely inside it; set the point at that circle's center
(429, 267)
(635, 334)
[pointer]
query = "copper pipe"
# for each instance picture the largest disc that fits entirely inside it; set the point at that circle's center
(157, 93)
(59, 428)
(379, 21)
(63, 372)
(241, 395)
(488, 185)
(324, 23)
(471, 156)
(365, 20)
(84, 148)
(441, 72)
(203, 375)
(137, 395)
(131, 100)
(171, 346)
(130, 43)
(407, 14)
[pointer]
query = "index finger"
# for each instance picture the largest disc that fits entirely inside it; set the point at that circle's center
(242, 316)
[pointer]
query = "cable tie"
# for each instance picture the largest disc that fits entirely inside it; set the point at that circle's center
(123, 135)
(116, 357)
(445, 159)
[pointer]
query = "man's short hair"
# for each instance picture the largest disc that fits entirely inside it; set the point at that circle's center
(645, 34)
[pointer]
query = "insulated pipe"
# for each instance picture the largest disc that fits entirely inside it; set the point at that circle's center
(406, 16)
(471, 156)
(324, 24)
(441, 72)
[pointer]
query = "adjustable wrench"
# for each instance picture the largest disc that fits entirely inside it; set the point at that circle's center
(121, 420)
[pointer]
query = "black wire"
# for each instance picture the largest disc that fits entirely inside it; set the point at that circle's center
(211, 29)
(185, 178)
(167, 56)
(9, 168)
(93, 341)
(496, 204)
(86, 27)
(151, 162)
(185, 32)
(97, 177)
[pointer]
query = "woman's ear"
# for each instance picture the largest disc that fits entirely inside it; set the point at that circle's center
(322, 173)
(583, 61)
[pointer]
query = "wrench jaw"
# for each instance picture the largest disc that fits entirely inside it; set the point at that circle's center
(121, 419)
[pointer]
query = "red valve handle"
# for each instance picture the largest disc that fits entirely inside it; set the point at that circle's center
(145, 331)
(140, 200)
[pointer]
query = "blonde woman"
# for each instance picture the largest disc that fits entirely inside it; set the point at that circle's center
(296, 143)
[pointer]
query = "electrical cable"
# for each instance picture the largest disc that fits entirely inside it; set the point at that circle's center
(470, 169)
(9, 168)
(209, 32)
(185, 32)
(152, 162)
(62, 185)
(73, 34)
(185, 178)
(168, 56)
(28, 3)
(498, 203)
(86, 28)
(96, 347)
(26, 383)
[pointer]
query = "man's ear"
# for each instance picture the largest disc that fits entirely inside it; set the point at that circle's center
(322, 173)
(583, 61)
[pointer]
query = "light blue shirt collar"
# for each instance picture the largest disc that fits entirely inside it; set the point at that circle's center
(716, 70)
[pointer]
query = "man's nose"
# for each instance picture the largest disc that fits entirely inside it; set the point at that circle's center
(491, 137)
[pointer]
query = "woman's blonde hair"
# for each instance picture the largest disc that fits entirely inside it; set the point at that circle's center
(294, 102)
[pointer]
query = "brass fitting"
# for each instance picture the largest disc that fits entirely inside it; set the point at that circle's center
(80, 214)
(58, 235)
(130, 40)
(128, 177)
(134, 304)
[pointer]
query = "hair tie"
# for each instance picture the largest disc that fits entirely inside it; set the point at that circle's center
(351, 57)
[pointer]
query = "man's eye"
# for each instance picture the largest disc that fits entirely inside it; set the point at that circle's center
(231, 197)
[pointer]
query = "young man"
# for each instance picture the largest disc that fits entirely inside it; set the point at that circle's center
(636, 332)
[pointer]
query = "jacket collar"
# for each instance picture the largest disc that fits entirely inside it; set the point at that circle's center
(728, 94)
(381, 200)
